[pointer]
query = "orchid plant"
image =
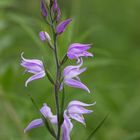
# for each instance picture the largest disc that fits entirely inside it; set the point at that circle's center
(69, 76)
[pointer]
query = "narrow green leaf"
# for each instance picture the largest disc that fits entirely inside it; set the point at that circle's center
(45, 120)
(97, 128)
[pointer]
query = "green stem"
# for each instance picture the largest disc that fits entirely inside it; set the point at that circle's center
(58, 76)
(63, 100)
(62, 106)
(49, 76)
(64, 59)
(57, 83)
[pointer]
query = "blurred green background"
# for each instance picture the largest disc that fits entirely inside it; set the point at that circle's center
(113, 75)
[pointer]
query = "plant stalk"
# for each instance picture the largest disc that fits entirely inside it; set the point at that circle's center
(58, 77)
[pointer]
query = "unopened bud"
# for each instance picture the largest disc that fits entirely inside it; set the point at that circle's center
(43, 8)
(47, 2)
(44, 36)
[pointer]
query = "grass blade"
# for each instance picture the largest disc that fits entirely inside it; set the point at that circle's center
(97, 128)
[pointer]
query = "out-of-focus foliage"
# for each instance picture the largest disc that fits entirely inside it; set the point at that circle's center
(113, 27)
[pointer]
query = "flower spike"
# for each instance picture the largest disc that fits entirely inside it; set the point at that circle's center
(75, 110)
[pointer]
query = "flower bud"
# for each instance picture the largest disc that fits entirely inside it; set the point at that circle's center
(44, 36)
(43, 8)
(62, 26)
(56, 10)
(47, 2)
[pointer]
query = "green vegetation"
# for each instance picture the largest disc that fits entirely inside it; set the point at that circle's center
(113, 75)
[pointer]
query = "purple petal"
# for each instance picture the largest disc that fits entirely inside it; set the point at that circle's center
(77, 50)
(74, 103)
(78, 117)
(34, 124)
(44, 36)
(53, 119)
(76, 55)
(76, 84)
(74, 73)
(78, 110)
(58, 14)
(68, 69)
(79, 46)
(31, 67)
(35, 77)
(66, 128)
(62, 26)
(43, 8)
(55, 6)
(34, 61)
(46, 111)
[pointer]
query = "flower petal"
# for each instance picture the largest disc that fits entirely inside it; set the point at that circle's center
(79, 46)
(74, 73)
(35, 77)
(62, 26)
(53, 119)
(78, 117)
(78, 110)
(76, 84)
(34, 124)
(31, 67)
(68, 69)
(77, 50)
(73, 103)
(34, 61)
(66, 128)
(46, 111)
